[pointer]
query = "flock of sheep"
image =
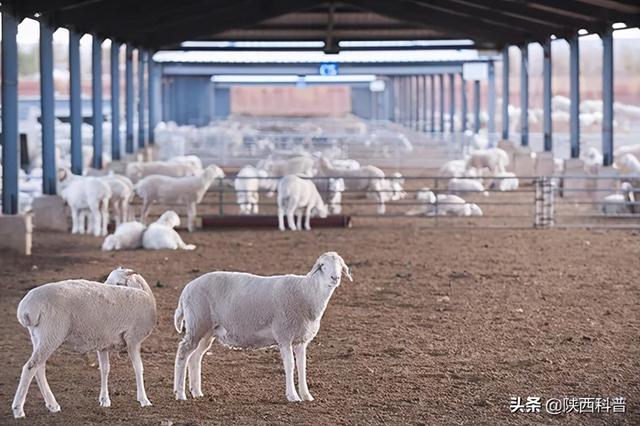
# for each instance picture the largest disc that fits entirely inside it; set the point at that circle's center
(240, 310)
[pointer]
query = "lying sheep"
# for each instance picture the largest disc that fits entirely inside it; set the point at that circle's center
(128, 236)
(249, 311)
(621, 202)
(86, 194)
(160, 235)
(294, 195)
(506, 181)
(457, 185)
(138, 170)
(494, 159)
(188, 190)
(247, 184)
(443, 205)
(89, 316)
(331, 190)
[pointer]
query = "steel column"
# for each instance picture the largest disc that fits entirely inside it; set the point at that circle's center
(505, 93)
(153, 93)
(425, 105)
(128, 106)
(452, 102)
(396, 99)
(463, 101)
(546, 95)
(47, 116)
(491, 94)
(476, 106)
(96, 100)
(75, 103)
(574, 84)
(115, 100)
(141, 99)
(416, 125)
(9, 114)
(441, 85)
(607, 96)
(432, 108)
(524, 95)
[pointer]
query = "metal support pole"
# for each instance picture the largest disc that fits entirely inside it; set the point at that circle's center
(47, 110)
(75, 103)
(96, 99)
(128, 110)
(418, 102)
(463, 101)
(433, 103)
(607, 96)
(574, 84)
(452, 102)
(396, 101)
(546, 95)
(505, 93)
(491, 94)
(425, 105)
(115, 100)
(407, 102)
(441, 85)
(154, 80)
(476, 106)
(524, 95)
(141, 99)
(9, 114)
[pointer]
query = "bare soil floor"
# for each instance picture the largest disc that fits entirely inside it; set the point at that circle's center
(530, 313)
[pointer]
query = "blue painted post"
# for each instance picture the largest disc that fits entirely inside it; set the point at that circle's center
(75, 103)
(463, 100)
(47, 110)
(574, 94)
(505, 93)
(153, 88)
(607, 96)
(524, 95)
(441, 86)
(416, 125)
(425, 104)
(9, 114)
(476, 106)
(546, 95)
(452, 102)
(432, 108)
(142, 140)
(115, 100)
(396, 103)
(128, 107)
(491, 94)
(96, 100)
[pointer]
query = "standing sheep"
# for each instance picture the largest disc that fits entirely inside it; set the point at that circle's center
(249, 311)
(247, 184)
(331, 190)
(84, 194)
(89, 316)
(294, 195)
(494, 159)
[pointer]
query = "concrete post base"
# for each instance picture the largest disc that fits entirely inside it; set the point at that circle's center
(16, 233)
(576, 188)
(544, 164)
(523, 164)
(49, 213)
(609, 183)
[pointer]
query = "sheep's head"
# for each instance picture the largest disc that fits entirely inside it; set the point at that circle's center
(336, 185)
(472, 209)
(213, 172)
(111, 243)
(329, 268)
(126, 278)
(426, 195)
(169, 218)
(321, 210)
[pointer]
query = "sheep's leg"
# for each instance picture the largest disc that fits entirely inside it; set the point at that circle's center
(299, 219)
(185, 349)
(45, 390)
(301, 362)
(281, 218)
(286, 351)
(117, 211)
(124, 211)
(194, 366)
(75, 220)
(104, 207)
(105, 367)
(136, 360)
(290, 220)
(191, 217)
(307, 219)
(146, 207)
(29, 370)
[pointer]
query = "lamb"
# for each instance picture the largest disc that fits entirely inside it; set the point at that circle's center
(160, 234)
(628, 164)
(592, 160)
(494, 159)
(249, 311)
(331, 190)
(86, 193)
(248, 183)
(121, 195)
(90, 316)
(187, 190)
(138, 170)
(505, 181)
(620, 203)
(300, 165)
(128, 236)
(627, 149)
(295, 194)
(457, 185)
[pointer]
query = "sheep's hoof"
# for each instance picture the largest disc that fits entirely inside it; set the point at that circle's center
(307, 397)
(197, 394)
(293, 398)
(145, 403)
(105, 402)
(54, 408)
(181, 396)
(18, 412)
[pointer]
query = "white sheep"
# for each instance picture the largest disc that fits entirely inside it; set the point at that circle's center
(628, 164)
(494, 159)
(82, 194)
(127, 236)
(299, 165)
(89, 316)
(247, 184)
(121, 195)
(193, 160)
(505, 181)
(188, 190)
(138, 170)
(619, 203)
(248, 311)
(592, 160)
(458, 185)
(627, 149)
(331, 190)
(443, 205)
(160, 235)
(296, 194)
(453, 168)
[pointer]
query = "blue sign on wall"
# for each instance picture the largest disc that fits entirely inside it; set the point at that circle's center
(329, 68)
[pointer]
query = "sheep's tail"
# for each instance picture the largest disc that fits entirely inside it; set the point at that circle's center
(29, 314)
(178, 317)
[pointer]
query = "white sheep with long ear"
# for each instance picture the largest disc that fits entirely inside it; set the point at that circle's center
(621, 202)
(89, 316)
(128, 236)
(464, 185)
(121, 195)
(494, 159)
(86, 194)
(248, 311)
(138, 170)
(628, 164)
(331, 190)
(247, 184)
(296, 194)
(160, 235)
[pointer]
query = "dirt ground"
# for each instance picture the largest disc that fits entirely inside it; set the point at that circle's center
(530, 313)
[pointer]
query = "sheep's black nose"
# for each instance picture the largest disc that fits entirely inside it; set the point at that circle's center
(334, 278)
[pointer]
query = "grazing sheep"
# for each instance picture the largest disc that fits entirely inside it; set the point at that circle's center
(82, 194)
(128, 236)
(457, 185)
(331, 190)
(248, 183)
(249, 311)
(138, 170)
(160, 235)
(294, 195)
(619, 203)
(188, 190)
(494, 159)
(89, 316)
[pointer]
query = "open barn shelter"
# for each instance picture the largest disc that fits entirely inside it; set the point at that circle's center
(488, 210)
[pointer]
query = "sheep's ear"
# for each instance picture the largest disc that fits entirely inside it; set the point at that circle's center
(319, 268)
(346, 270)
